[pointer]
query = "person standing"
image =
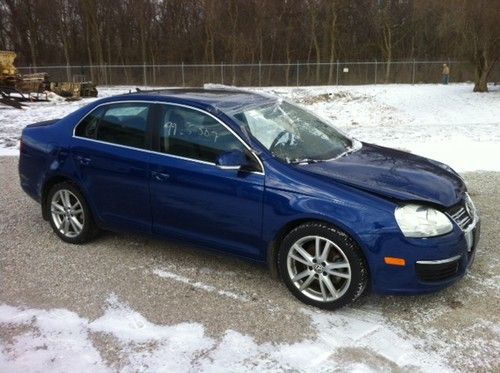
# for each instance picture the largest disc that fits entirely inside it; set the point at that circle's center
(446, 74)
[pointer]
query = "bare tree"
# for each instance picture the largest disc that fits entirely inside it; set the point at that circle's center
(101, 32)
(332, 36)
(482, 32)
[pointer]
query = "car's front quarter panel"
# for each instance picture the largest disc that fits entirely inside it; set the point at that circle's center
(369, 219)
(293, 196)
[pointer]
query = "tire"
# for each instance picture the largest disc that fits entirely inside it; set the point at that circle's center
(72, 221)
(310, 274)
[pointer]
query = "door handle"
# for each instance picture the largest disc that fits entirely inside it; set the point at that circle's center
(160, 176)
(84, 161)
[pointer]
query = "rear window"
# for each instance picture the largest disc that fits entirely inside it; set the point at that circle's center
(122, 124)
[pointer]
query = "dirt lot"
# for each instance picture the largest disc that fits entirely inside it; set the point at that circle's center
(170, 284)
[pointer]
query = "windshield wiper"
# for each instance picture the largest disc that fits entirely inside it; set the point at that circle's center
(304, 161)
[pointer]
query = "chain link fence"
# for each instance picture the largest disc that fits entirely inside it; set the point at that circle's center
(265, 74)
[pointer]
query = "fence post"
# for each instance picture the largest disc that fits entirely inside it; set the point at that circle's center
(375, 71)
(337, 77)
(297, 73)
(182, 73)
(260, 73)
(413, 73)
(222, 72)
(145, 75)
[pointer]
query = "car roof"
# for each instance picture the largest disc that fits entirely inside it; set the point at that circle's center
(227, 100)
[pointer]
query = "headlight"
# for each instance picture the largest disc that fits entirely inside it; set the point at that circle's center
(422, 221)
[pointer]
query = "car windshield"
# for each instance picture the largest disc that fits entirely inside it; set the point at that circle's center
(292, 134)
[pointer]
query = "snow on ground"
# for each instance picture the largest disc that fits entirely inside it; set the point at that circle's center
(60, 340)
(447, 123)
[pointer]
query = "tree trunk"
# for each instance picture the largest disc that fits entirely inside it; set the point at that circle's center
(308, 70)
(89, 50)
(63, 34)
(482, 70)
(32, 34)
(388, 51)
(332, 41)
(234, 41)
(288, 59)
(314, 37)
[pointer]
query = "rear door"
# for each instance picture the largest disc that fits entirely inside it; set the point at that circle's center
(191, 197)
(109, 150)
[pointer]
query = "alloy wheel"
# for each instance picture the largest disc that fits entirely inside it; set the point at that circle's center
(67, 213)
(319, 268)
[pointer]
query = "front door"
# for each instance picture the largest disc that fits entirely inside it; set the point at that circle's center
(191, 198)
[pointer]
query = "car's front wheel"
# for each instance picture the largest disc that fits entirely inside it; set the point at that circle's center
(69, 214)
(322, 266)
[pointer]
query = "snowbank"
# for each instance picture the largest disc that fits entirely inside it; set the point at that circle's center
(449, 123)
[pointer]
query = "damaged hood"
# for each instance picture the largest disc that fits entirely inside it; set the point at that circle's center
(393, 174)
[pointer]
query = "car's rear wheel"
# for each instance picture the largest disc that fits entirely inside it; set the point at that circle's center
(69, 214)
(322, 266)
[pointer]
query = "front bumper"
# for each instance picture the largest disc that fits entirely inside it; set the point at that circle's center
(431, 264)
(437, 270)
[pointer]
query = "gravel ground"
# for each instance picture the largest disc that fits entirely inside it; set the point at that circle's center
(169, 283)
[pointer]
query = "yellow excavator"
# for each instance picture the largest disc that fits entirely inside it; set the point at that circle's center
(16, 88)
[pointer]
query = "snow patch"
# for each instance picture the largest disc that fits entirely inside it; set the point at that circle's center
(11, 151)
(56, 340)
(199, 285)
(60, 340)
(53, 97)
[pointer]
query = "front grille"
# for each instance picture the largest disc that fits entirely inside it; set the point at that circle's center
(460, 215)
(437, 272)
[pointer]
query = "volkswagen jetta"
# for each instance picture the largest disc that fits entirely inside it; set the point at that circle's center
(256, 177)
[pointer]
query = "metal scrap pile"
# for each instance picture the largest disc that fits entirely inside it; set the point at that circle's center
(16, 88)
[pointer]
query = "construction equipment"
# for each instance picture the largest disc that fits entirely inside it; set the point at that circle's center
(16, 87)
(8, 72)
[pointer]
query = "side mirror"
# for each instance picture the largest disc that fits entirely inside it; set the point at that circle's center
(231, 160)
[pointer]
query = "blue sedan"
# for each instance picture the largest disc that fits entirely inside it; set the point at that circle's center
(257, 177)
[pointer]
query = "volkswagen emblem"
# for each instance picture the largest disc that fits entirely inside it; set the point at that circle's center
(318, 268)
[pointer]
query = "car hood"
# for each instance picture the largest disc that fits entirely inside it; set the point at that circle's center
(393, 174)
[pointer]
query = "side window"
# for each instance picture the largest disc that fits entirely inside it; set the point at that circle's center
(88, 127)
(122, 124)
(192, 134)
